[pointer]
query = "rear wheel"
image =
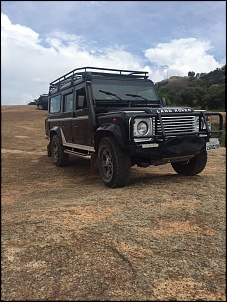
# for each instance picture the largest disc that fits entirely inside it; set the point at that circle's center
(60, 158)
(40, 107)
(191, 167)
(114, 163)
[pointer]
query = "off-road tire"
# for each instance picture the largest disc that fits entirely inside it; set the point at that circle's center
(114, 163)
(191, 167)
(60, 158)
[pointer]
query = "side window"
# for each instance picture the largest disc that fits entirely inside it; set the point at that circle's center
(68, 102)
(81, 99)
(55, 104)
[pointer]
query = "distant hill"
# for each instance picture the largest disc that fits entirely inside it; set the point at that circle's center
(175, 82)
(201, 90)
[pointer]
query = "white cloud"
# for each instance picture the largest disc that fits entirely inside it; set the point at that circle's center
(28, 67)
(30, 63)
(22, 34)
(182, 55)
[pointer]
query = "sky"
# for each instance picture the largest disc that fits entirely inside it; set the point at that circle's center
(43, 40)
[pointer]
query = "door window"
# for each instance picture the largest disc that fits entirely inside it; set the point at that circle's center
(68, 102)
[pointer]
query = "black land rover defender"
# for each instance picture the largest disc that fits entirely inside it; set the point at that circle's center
(116, 117)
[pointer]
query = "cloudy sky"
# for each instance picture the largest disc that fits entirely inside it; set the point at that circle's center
(42, 40)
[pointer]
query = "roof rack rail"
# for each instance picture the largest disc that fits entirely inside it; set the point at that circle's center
(86, 72)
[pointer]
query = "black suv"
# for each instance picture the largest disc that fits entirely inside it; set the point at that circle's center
(116, 117)
(42, 102)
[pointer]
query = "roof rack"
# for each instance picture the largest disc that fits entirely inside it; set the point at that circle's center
(88, 72)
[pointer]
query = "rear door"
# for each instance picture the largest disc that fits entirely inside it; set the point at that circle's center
(67, 115)
(80, 120)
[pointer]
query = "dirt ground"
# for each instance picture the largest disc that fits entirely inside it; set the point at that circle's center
(65, 236)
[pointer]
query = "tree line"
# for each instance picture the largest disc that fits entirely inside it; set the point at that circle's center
(200, 91)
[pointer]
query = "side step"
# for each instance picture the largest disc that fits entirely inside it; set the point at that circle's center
(76, 152)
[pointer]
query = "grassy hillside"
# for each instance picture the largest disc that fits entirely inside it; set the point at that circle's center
(200, 91)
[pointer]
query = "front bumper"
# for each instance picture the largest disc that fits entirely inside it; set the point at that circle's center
(174, 147)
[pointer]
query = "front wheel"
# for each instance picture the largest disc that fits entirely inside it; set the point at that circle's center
(60, 158)
(191, 167)
(114, 163)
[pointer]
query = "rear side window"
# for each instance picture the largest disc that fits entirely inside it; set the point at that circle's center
(81, 99)
(68, 102)
(55, 104)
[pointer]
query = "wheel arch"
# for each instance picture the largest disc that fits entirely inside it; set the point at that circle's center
(109, 130)
(55, 130)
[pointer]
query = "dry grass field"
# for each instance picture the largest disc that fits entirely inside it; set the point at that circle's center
(65, 236)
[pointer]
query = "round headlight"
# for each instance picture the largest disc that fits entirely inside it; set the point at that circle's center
(142, 128)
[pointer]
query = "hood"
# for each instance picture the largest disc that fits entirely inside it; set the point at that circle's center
(144, 110)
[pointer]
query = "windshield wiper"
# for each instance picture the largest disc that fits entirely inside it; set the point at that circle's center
(110, 93)
(137, 96)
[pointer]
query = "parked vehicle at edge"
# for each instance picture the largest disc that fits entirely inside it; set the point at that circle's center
(32, 103)
(116, 117)
(42, 102)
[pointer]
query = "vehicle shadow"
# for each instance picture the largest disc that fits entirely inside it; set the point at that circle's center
(81, 166)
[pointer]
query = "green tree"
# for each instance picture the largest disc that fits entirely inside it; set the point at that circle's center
(203, 91)
(214, 99)
(171, 96)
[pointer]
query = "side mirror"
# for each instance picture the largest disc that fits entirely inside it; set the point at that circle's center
(163, 101)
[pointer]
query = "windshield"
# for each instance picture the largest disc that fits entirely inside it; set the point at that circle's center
(123, 90)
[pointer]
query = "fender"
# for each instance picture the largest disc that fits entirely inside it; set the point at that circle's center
(114, 129)
(56, 130)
